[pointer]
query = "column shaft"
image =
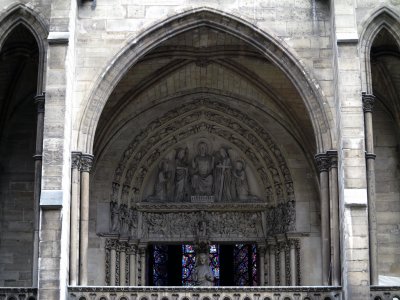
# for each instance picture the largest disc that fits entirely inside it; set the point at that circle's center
(335, 230)
(143, 266)
(293, 270)
(323, 164)
(282, 270)
(39, 100)
(113, 266)
(272, 281)
(261, 251)
(74, 230)
(84, 218)
(132, 267)
(122, 274)
(368, 105)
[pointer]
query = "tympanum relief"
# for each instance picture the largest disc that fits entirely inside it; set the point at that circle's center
(202, 175)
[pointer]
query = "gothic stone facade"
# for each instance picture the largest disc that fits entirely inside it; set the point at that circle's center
(126, 123)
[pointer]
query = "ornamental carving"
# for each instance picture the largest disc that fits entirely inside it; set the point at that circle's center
(202, 225)
(176, 176)
(368, 102)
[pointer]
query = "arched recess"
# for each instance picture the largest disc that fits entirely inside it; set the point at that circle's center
(23, 36)
(269, 46)
(207, 77)
(380, 51)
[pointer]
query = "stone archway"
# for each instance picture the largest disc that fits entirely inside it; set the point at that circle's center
(270, 47)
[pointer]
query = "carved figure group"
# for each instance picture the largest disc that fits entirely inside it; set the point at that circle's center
(123, 220)
(213, 176)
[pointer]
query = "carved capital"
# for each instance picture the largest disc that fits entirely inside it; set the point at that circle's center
(333, 156)
(39, 101)
(323, 162)
(76, 159)
(368, 102)
(86, 162)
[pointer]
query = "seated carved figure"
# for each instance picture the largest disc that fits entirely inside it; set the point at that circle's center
(202, 164)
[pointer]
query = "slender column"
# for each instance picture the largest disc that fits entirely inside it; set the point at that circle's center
(122, 274)
(272, 281)
(39, 100)
(282, 263)
(86, 165)
(323, 163)
(368, 105)
(142, 252)
(74, 231)
(113, 266)
(261, 255)
(293, 268)
(335, 228)
(132, 265)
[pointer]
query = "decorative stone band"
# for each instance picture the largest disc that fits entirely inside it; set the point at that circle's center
(370, 155)
(18, 293)
(323, 162)
(86, 162)
(39, 101)
(76, 159)
(197, 293)
(368, 102)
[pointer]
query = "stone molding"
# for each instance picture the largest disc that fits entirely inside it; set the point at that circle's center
(370, 156)
(40, 102)
(368, 101)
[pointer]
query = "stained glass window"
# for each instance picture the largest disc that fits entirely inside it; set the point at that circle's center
(245, 264)
(188, 264)
(160, 258)
(214, 262)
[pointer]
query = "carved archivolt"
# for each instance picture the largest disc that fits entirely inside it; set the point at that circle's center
(202, 117)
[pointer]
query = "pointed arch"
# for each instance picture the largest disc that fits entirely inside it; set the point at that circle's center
(19, 14)
(382, 18)
(269, 46)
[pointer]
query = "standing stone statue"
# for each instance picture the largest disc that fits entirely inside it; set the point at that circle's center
(203, 164)
(240, 185)
(162, 185)
(223, 176)
(114, 209)
(181, 174)
(203, 275)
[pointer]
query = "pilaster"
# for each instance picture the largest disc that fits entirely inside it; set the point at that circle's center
(351, 158)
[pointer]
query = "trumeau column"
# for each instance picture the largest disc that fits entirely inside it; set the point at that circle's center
(86, 165)
(323, 164)
(39, 100)
(334, 199)
(352, 183)
(75, 206)
(368, 105)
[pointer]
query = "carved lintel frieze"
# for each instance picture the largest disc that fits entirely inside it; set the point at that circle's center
(86, 162)
(368, 102)
(323, 162)
(76, 159)
(39, 101)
